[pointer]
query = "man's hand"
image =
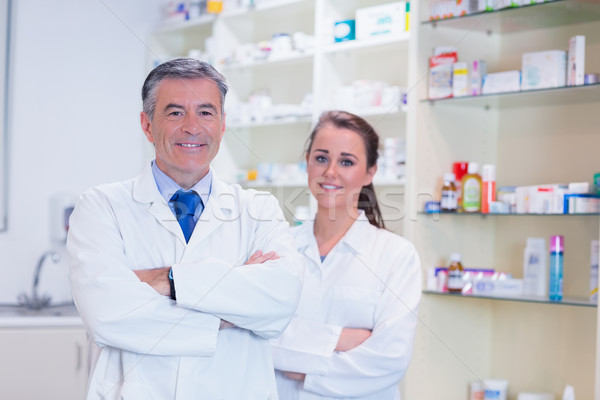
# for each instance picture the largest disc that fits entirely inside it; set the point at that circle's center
(158, 278)
(351, 338)
(259, 257)
(297, 376)
(224, 325)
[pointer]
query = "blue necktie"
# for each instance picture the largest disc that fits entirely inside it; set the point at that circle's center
(184, 204)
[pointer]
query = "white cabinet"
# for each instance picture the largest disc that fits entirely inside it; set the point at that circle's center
(43, 363)
(537, 137)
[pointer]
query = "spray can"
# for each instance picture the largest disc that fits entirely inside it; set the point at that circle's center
(556, 268)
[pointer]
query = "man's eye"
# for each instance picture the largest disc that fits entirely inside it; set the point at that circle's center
(175, 113)
(206, 113)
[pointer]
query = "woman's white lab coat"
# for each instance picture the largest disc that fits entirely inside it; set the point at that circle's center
(371, 279)
(151, 347)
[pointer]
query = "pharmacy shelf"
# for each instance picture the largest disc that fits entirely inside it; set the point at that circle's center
(179, 27)
(566, 301)
(379, 43)
(371, 112)
(269, 7)
(526, 98)
(509, 214)
(280, 184)
(516, 19)
(377, 182)
(292, 58)
(273, 122)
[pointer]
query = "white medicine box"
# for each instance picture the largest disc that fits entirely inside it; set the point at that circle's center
(386, 19)
(544, 69)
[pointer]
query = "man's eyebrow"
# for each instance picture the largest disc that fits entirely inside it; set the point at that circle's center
(207, 105)
(173, 105)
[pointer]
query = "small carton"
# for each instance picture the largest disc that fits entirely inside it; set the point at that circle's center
(576, 67)
(544, 69)
(386, 19)
(460, 79)
(440, 74)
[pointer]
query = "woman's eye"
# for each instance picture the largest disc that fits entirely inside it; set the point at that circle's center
(321, 159)
(347, 163)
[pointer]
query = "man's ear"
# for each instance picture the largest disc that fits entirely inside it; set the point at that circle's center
(146, 126)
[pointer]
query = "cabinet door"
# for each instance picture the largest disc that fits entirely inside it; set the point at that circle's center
(43, 364)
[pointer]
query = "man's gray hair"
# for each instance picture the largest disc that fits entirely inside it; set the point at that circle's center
(180, 68)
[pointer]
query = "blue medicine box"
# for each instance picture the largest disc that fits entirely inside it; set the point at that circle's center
(344, 30)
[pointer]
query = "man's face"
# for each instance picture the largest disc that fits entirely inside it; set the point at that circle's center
(186, 129)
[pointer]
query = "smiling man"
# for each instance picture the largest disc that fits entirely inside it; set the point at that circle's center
(168, 270)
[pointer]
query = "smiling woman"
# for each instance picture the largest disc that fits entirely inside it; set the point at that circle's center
(4, 47)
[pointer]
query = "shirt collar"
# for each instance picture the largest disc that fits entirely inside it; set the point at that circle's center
(167, 186)
(355, 237)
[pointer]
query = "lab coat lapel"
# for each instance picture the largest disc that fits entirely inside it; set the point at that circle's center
(219, 208)
(146, 191)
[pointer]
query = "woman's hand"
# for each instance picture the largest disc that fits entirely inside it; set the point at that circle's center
(259, 257)
(296, 376)
(351, 338)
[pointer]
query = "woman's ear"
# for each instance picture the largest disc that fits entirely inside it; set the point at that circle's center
(370, 174)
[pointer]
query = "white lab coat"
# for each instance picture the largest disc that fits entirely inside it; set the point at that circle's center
(371, 279)
(151, 347)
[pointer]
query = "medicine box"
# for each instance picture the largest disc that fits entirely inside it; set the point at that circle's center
(576, 67)
(544, 69)
(344, 31)
(460, 79)
(440, 75)
(386, 19)
(499, 82)
(477, 70)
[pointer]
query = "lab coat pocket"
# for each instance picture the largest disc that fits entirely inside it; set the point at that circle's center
(352, 307)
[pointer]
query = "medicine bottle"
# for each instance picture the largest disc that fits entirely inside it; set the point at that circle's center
(449, 202)
(455, 272)
(488, 187)
(460, 169)
(471, 189)
(556, 268)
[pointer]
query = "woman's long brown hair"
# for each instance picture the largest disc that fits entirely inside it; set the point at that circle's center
(367, 200)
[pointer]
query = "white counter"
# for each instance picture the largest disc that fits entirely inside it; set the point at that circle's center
(13, 316)
(23, 321)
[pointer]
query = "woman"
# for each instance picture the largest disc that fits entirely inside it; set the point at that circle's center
(352, 334)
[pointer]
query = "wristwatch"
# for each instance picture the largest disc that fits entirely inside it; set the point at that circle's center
(172, 284)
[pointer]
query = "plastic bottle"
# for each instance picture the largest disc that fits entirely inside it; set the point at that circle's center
(471, 189)
(535, 267)
(449, 201)
(455, 271)
(556, 268)
(488, 187)
(460, 169)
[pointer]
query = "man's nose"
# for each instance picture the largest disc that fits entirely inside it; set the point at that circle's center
(191, 124)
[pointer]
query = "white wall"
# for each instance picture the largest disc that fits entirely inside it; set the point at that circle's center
(76, 72)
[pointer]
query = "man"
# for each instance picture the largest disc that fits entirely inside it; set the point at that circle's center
(170, 308)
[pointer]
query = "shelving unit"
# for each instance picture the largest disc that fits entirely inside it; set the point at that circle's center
(532, 137)
(289, 78)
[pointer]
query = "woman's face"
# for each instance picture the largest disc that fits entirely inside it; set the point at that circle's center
(337, 169)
